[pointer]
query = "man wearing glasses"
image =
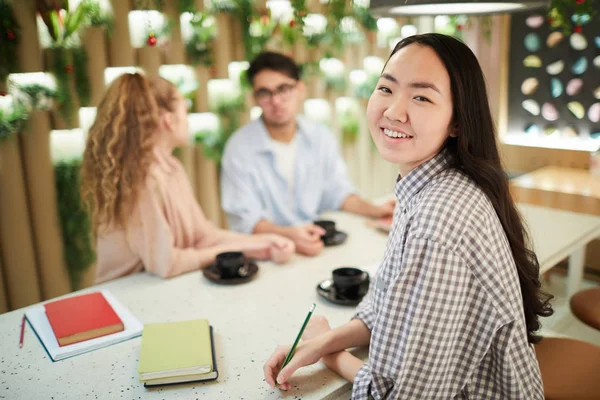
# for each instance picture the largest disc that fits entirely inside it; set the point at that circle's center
(281, 171)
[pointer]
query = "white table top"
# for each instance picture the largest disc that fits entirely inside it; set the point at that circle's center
(556, 233)
(250, 320)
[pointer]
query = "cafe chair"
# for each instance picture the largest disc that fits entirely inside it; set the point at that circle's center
(585, 305)
(570, 369)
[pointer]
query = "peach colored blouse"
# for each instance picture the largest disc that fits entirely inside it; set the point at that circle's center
(164, 232)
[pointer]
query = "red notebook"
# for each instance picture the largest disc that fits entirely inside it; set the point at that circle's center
(83, 317)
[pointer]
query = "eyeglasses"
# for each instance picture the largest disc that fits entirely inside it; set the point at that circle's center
(283, 91)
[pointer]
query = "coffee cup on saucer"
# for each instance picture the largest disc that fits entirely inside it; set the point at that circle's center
(231, 264)
(328, 226)
(347, 286)
(348, 280)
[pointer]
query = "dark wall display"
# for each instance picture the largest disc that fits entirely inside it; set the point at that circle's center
(554, 79)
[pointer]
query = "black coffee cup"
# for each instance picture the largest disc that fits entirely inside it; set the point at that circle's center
(328, 226)
(230, 263)
(347, 280)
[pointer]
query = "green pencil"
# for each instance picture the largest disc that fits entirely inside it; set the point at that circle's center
(290, 354)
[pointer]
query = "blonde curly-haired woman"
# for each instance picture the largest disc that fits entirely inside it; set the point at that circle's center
(144, 212)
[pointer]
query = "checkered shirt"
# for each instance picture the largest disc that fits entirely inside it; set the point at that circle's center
(445, 310)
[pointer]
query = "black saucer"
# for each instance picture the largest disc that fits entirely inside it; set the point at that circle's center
(213, 274)
(336, 239)
(329, 292)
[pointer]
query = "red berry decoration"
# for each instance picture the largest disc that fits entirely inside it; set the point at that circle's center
(577, 29)
(292, 23)
(69, 69)
(550, 20)
(10, 35)
(3, 94)
(459, 27)
(579, 1)
(151, 40)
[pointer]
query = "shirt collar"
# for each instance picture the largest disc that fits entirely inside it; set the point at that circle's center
(264, 142)
(410, 185)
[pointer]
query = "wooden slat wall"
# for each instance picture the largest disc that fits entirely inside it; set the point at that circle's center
(50, 278)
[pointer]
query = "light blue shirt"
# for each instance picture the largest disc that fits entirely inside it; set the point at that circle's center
(253, 187)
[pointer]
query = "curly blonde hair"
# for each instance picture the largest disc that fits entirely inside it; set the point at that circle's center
(118, 151)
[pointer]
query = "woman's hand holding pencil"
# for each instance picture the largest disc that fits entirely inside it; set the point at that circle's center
(308, 352)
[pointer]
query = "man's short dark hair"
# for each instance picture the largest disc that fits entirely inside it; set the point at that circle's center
(275, 62)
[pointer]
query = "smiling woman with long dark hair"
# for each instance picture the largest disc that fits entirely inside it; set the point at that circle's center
(453, 312)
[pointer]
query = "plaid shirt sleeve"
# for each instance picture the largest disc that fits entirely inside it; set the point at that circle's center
(434, 320)
(364, 311)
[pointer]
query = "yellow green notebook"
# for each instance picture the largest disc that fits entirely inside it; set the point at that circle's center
(175, 352)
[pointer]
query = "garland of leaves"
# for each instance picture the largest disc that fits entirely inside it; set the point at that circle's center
(350, 127)
(261, 30)
(74, 221)
(68, 58)
(332, 39)
(245, 12)
(292, 31)
(214, 141)
(258, 26)
(82, 83)
(359, 13)
(12, 121)
(364, 18)
(35, 96)
(187, 6)
(567, 15)
(366, 89)
(335, 83)
(457, 24)
(25, 99)
(199, 47)
(63, 70)
(9, 40)
(571, 15)
(149, 4)
(98, 17)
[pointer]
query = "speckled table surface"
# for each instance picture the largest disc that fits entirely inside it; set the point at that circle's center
(249, 321)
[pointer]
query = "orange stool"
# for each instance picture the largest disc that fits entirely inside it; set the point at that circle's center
(570, 369)
(586, 306)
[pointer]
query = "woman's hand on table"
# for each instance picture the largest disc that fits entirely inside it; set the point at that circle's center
(281, 249)
(255, 249)
(269, 247)
(308, 352)
(307, 238)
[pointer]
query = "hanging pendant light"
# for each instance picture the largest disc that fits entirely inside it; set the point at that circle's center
(449, 7)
